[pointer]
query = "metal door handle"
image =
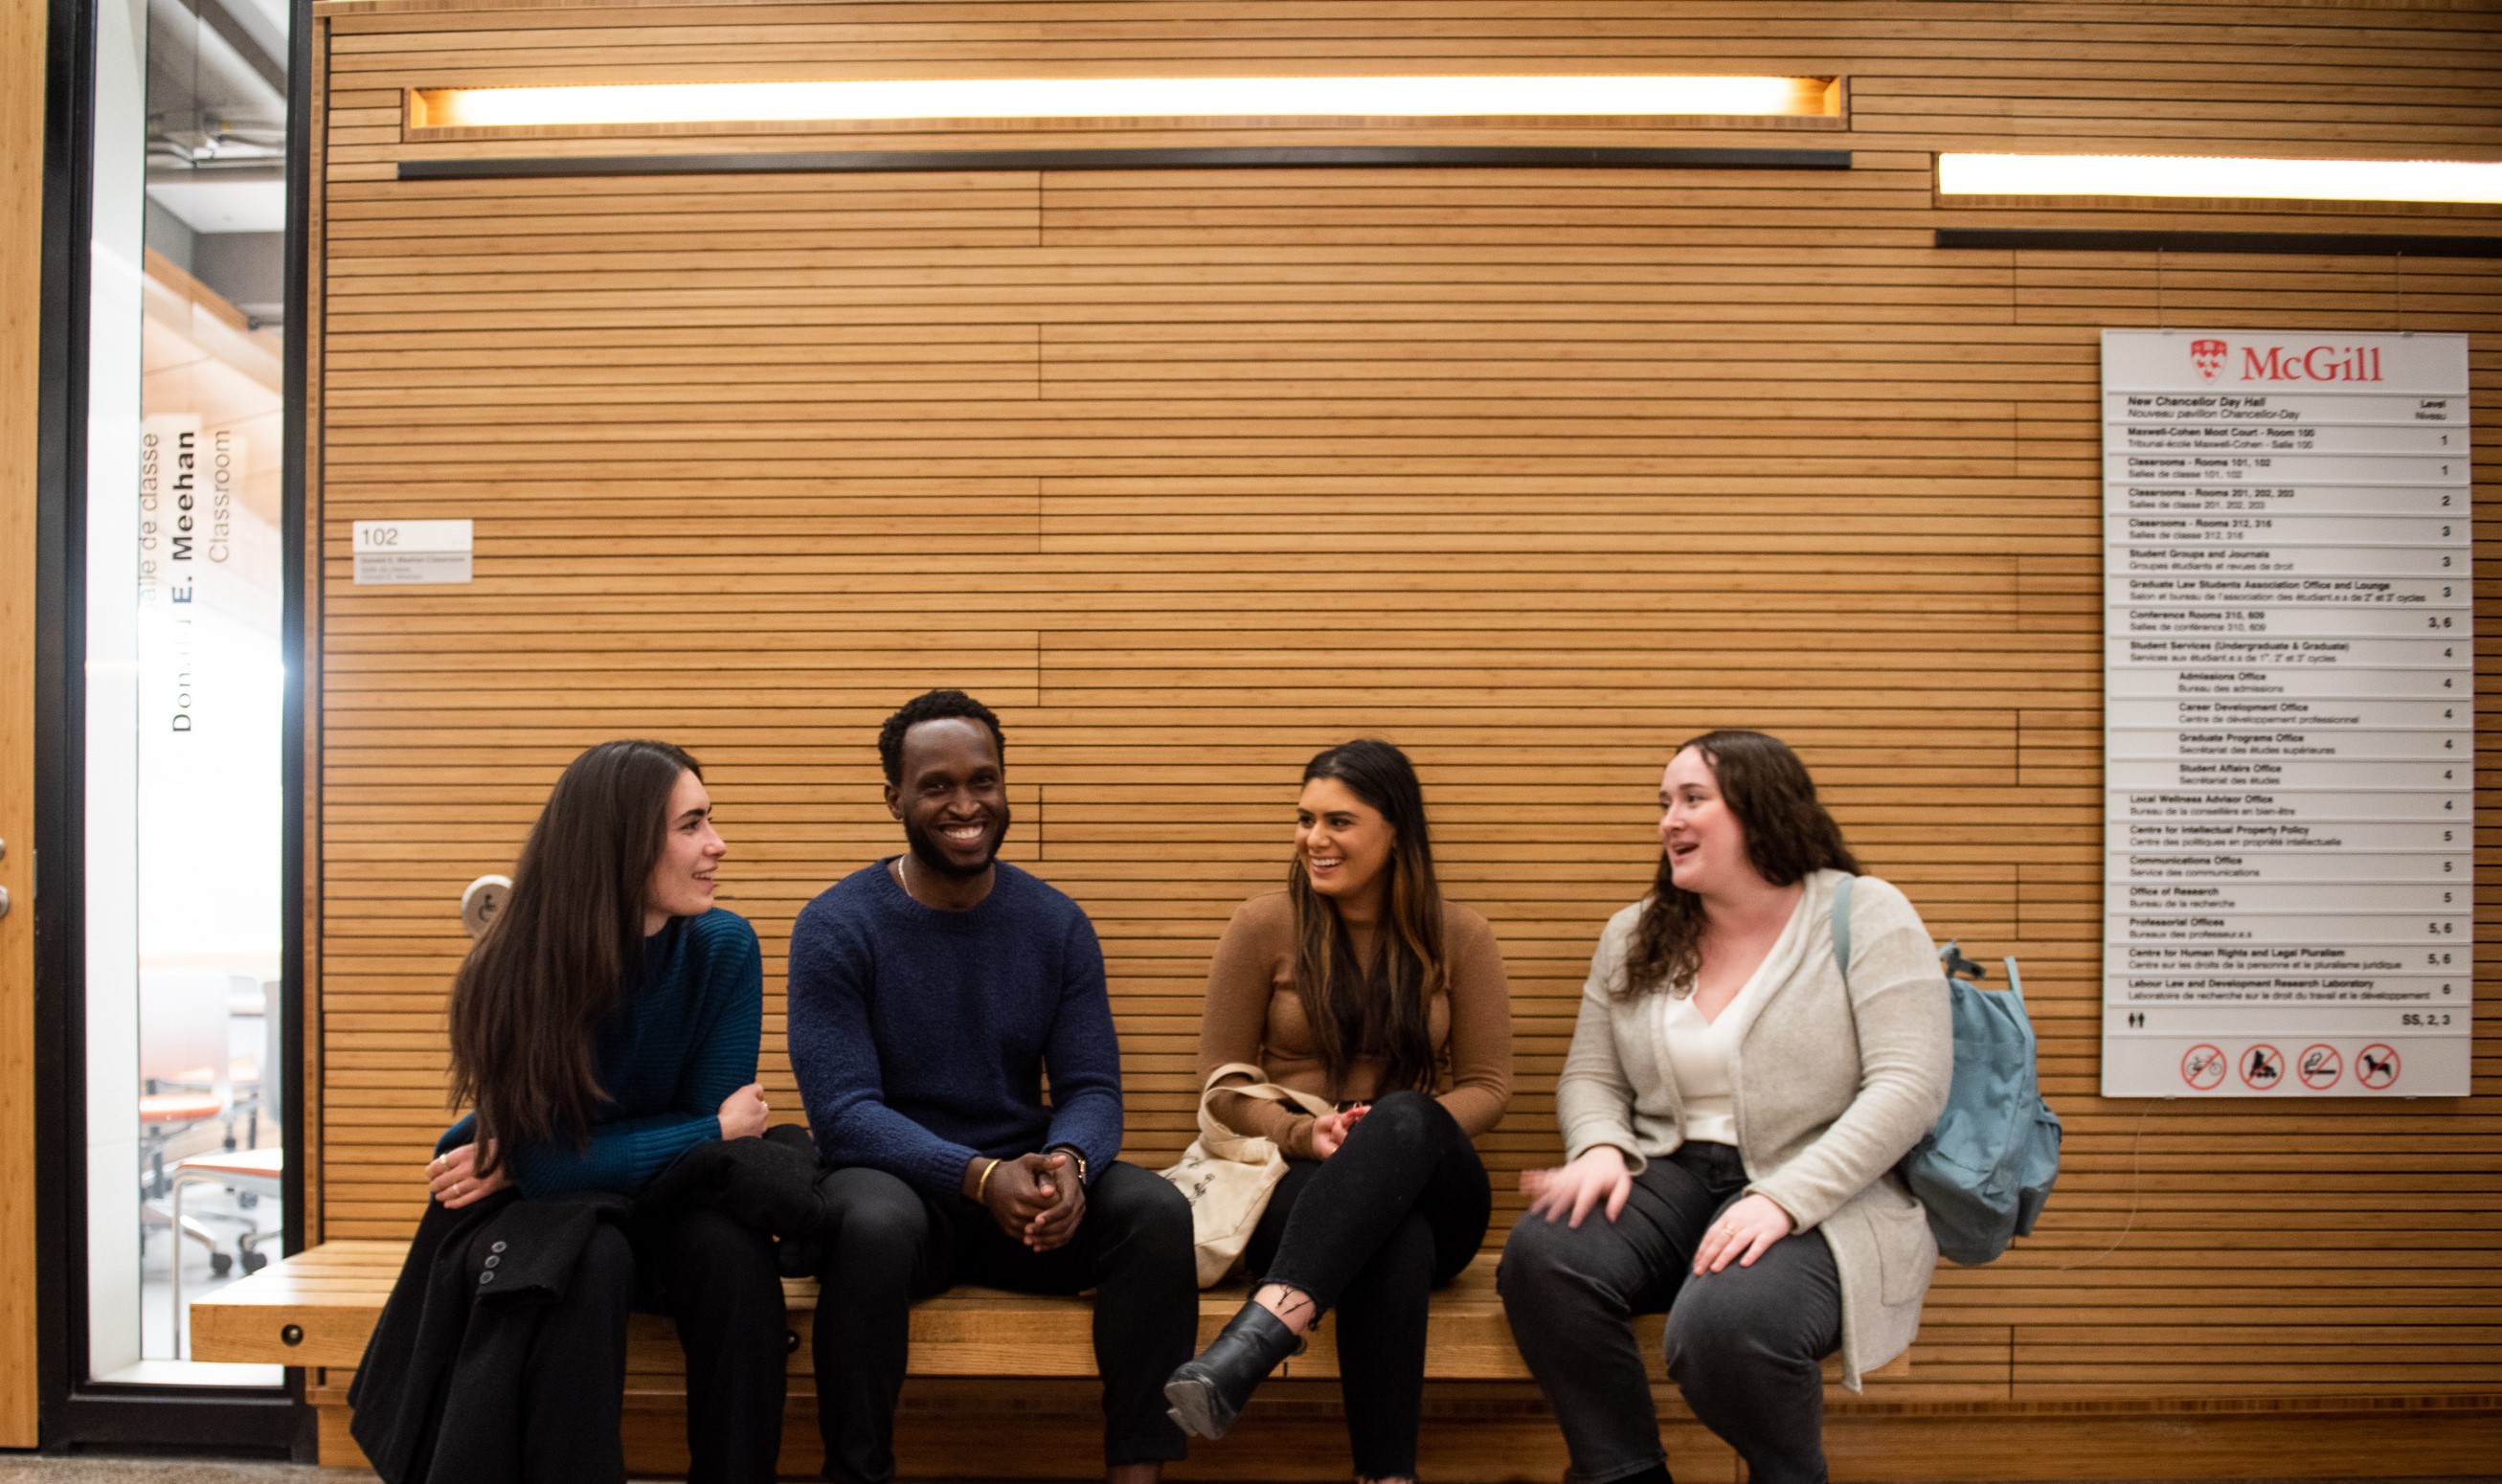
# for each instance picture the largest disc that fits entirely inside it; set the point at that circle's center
(4, 901)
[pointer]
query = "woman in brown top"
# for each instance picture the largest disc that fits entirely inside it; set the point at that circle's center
(1357, 982)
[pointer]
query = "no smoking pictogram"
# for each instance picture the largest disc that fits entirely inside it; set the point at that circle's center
(2319, 1068)
(2376, 1067)
(2262, 1066)
(2202, 1066)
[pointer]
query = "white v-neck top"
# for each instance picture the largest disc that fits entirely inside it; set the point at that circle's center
(1701, 1053)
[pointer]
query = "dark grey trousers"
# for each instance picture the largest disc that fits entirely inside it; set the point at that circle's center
(1743, 1343)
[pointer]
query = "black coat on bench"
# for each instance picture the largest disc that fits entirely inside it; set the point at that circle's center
(438, 1394)
(772, 1184)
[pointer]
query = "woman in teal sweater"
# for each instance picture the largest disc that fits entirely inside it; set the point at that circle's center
(606, 1024)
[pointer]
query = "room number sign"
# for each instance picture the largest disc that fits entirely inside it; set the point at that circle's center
(400, 552)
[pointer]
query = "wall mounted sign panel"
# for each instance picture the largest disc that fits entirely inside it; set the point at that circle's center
(394, 553)
(2289, 717)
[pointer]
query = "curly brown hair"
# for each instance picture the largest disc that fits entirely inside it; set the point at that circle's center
(1787, 832)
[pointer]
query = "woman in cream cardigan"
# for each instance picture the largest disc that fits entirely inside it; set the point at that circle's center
(1733, 1108)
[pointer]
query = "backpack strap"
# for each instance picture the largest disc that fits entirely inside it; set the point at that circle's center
(1842, 926)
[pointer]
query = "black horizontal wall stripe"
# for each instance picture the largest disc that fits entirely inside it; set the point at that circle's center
(2325, 244)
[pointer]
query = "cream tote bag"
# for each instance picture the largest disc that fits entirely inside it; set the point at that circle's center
(1227, 1177)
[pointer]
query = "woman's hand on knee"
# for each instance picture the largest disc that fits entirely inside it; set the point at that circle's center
(1330, 1130)
(1599, 1178)
(743, 1112)
(1744, 1231)
(454, 1179)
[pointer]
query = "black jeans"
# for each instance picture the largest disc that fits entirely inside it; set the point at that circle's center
(717, 1279)
(1371, 1230)
(1742, 1343)
(892, 1245)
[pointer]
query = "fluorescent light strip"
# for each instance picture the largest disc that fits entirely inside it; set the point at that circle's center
(2241, 180)
(1007, 98)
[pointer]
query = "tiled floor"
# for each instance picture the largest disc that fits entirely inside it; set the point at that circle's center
(21, 1468)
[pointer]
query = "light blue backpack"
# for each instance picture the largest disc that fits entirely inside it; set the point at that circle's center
(1986, 1170)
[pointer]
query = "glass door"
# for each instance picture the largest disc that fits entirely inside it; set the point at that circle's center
(186, 682)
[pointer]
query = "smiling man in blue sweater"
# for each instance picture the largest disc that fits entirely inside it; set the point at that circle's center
(930, 995)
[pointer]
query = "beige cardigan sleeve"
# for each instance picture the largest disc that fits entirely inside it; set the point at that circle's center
(1593, 1097)
(1899, 1006)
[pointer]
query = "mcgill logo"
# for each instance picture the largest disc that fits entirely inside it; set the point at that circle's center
(2282, 363)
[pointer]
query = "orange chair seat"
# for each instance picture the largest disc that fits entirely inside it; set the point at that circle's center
(179, 1107)
(239, 1069)
(236, 1164)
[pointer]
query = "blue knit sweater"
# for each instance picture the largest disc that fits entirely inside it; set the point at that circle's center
(682, 1038)
(921, 1036)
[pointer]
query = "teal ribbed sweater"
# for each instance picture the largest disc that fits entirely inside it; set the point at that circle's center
(682, 1038)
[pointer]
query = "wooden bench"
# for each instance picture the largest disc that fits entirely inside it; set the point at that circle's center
(316, 1309)
(1015, 1396)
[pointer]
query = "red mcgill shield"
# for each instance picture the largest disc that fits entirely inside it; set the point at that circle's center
(2208, 355)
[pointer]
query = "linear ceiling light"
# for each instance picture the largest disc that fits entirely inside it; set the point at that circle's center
(2242, 179)
(1123, 99)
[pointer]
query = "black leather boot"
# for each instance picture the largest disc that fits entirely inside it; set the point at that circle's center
(1206, 1394)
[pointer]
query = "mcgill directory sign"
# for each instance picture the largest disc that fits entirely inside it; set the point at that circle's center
(2289, 721)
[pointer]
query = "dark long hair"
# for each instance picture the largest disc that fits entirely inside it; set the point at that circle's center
(552, 962)
(1384, 1011)
(1788, 834)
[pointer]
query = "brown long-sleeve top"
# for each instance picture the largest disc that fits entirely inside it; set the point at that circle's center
(1255, 1015)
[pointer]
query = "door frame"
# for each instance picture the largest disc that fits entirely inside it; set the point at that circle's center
(74, 1412)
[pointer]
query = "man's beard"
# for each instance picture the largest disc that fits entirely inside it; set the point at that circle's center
(932, 856)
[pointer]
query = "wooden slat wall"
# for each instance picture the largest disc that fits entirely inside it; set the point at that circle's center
(1533, 472)
(22, 41)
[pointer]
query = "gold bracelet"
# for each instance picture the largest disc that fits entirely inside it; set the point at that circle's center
(982, 1186)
